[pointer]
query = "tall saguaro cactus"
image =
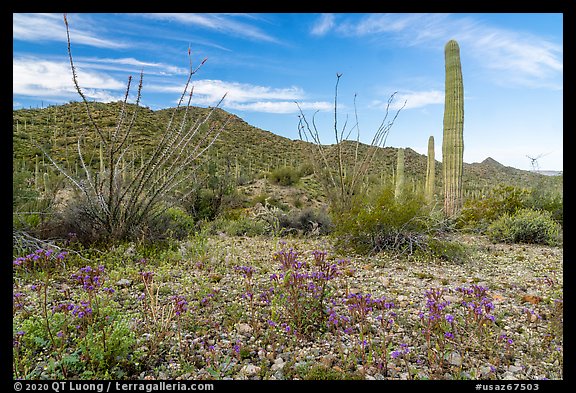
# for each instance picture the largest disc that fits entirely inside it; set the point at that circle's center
(399, 173)
(453, 138)
(430, 172)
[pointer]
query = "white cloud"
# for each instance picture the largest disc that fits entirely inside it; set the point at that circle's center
(52, 79)
(513, 57)
(417, 99)
(247, 97)
(224, 23)
(282, 107)
(411, 100)
(131, 65)
(524, 60)
(50, 27)
(323, 25)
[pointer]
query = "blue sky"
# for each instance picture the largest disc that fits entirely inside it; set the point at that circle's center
(512, 68)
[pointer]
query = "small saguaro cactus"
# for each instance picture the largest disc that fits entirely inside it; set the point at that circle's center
(399, 174)
(430, 172)
(453, 138)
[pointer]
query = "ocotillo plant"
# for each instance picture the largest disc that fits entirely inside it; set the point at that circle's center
(117, 209)
(399, 173)
(430, 172)
(339, 180)
(453, 138)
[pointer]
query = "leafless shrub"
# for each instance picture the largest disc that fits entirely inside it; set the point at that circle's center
(340, 178)
(119, 202)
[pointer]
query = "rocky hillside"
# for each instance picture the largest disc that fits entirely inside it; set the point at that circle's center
(242, 148)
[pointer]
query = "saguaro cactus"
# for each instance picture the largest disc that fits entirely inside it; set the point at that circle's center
(430, 172)
(399, 174)
(453, 138)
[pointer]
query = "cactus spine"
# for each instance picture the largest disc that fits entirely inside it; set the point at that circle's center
(430, 172)
(399, 174)
(453, 139)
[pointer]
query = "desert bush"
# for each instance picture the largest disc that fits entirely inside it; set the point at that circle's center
(117, 204)
(174, 222)
(525, 226)
(385, 223)
(307, 221)
(340, 179)
(306, 169)
(285, 176)
(478, 213)
(268, 200)
(242, 226)
(437, 248)
(542, 199)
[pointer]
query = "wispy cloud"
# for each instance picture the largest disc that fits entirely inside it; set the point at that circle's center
(50, 27)
(514, 57)
(248, 97)
(413, 99)
(224, 23)
(52, 80)
(323, 25)
(520, 59)
(279, 107)
(130, 64)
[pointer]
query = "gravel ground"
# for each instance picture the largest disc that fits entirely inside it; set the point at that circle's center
(231, 339)
(240, 319)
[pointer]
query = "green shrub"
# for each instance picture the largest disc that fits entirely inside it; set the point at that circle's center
(242, 226)
(384, 224)
(445, 250)
(541, 198)
(285, 176)
(269, 200)
(174, 222)
(306, 169)
(525, 226)
(307, 221)
(478, 213)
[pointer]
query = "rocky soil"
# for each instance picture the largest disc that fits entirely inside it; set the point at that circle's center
(224, 336)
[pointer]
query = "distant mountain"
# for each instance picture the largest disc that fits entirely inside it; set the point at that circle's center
(243, 148)
(548, 173)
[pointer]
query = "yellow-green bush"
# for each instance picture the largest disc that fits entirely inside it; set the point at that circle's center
(384, 222)
(525, 226)
(285, 176)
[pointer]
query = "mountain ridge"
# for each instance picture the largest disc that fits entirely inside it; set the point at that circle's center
(240, 145)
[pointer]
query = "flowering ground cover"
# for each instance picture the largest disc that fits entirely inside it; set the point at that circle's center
(267, 308)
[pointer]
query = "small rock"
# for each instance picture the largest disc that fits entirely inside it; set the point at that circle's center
(277, 366)
(452, 299)
(124, 283)
(514, 369)
(327, 360)
(250, 370)
(270, 355)
(338, 369)
(243, 328)
(508, 376)
(455, 359)
(485, 370)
